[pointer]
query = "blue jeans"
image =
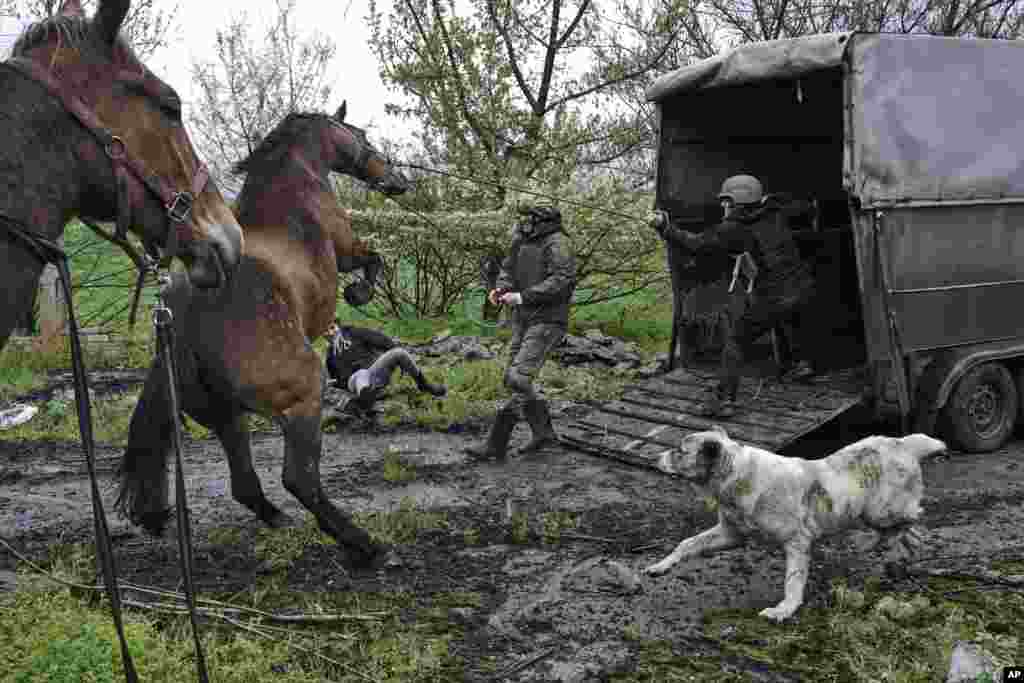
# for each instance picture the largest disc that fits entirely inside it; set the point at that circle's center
(378, 375)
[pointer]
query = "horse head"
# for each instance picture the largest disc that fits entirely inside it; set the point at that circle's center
(355, 156)
(138, 165)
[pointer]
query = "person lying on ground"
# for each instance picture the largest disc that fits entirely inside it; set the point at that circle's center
(363, 361)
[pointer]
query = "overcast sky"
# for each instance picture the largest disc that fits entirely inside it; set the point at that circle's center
(353, 74)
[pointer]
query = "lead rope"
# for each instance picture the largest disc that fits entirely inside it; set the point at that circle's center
(103, 546)
(164, 333)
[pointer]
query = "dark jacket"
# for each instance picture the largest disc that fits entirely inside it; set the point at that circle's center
(355, 348)
(765, 234)
(541, 267)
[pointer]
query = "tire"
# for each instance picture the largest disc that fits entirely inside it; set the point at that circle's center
(982, 410)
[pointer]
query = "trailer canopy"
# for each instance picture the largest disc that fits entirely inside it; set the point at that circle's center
(932, 118)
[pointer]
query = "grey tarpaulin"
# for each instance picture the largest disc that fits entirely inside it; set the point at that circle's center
(938, 118)
(933, 118)
(785, 58)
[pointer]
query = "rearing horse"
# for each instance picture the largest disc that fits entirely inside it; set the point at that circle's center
(87, 130)
(248, 347)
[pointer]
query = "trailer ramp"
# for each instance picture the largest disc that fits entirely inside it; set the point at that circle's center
(654, 415)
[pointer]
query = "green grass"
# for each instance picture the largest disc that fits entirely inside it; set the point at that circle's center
(847, 641)
(401, 525)
(54, 637)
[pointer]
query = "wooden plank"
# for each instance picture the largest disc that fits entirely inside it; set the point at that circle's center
(622, 413)
(656, 414)
(770, 392)
(746, 413)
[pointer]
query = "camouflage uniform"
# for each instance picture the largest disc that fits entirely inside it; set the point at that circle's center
(541, 267)
(783, 287)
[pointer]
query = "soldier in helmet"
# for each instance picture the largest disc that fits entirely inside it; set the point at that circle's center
(782, 287)
(363, 360)
(537, 279)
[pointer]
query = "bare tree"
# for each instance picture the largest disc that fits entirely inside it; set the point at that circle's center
(751, 20)
(252, 86)
(147, 26)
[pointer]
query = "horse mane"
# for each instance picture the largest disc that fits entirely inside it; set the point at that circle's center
(72, 31)
(273, 145)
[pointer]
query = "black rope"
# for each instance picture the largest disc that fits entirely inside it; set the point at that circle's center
(48, 251)
(165, 347)
(506, 186)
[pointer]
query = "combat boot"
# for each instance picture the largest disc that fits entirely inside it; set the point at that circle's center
(496, 446)
(539, 417)
(438, 390)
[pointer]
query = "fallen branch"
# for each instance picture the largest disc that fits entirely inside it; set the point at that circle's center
(241, 612)
(528, 662)
(584, 537)
(329, 660)
(983, 576)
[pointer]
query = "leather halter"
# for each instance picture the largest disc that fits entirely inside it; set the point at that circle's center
(177, 203)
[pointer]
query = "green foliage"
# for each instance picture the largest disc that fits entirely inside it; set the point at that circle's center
(53, 636)
(847, 640)
(402, 524)
(519, 527)
(396, 469)
(279, 548)
(58, 420)
(17, 380)
(555, 522)
(432, 260)
(83, 658)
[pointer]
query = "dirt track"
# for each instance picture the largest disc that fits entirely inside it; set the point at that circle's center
(570, 595)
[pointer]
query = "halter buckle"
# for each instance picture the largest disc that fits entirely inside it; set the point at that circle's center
(180, 207)
(116, 148)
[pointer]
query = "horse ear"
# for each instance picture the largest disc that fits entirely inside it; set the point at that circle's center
(71, 8)
(339, 116)
(109, 17)
(720, 430)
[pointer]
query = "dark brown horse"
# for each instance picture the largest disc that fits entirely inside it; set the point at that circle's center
(88, 131)
(248, 347)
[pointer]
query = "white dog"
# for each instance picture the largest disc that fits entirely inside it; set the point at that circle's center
(793, 502)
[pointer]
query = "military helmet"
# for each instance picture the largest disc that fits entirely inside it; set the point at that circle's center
(358, 293)
(742, 189)
(541, 214)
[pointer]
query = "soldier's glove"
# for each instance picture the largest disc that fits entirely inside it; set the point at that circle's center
(511, 298)
(494, 296)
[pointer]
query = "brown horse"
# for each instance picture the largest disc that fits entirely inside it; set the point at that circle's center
(88, 131)
(248, 347)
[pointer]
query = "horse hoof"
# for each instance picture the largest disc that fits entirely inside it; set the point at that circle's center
(376, 558)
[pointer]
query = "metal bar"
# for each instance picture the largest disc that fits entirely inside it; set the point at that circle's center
(967, 343)
(883, 204)
(946, 288)
(754, 140)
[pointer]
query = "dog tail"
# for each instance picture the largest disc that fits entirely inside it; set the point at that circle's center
(922, 446)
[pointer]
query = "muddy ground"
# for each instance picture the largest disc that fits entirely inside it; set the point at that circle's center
(566, 602)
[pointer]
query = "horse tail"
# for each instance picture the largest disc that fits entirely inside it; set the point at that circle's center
(143, 494)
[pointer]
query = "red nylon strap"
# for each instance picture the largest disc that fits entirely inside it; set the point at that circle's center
(177, 204)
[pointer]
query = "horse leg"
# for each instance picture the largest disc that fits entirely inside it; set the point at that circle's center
(245, 483)
(143, 494)
(301, 476)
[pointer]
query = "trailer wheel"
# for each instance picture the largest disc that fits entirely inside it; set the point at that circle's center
(982, 410)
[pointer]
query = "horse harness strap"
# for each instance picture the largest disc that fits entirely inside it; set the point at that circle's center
(178, 204)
